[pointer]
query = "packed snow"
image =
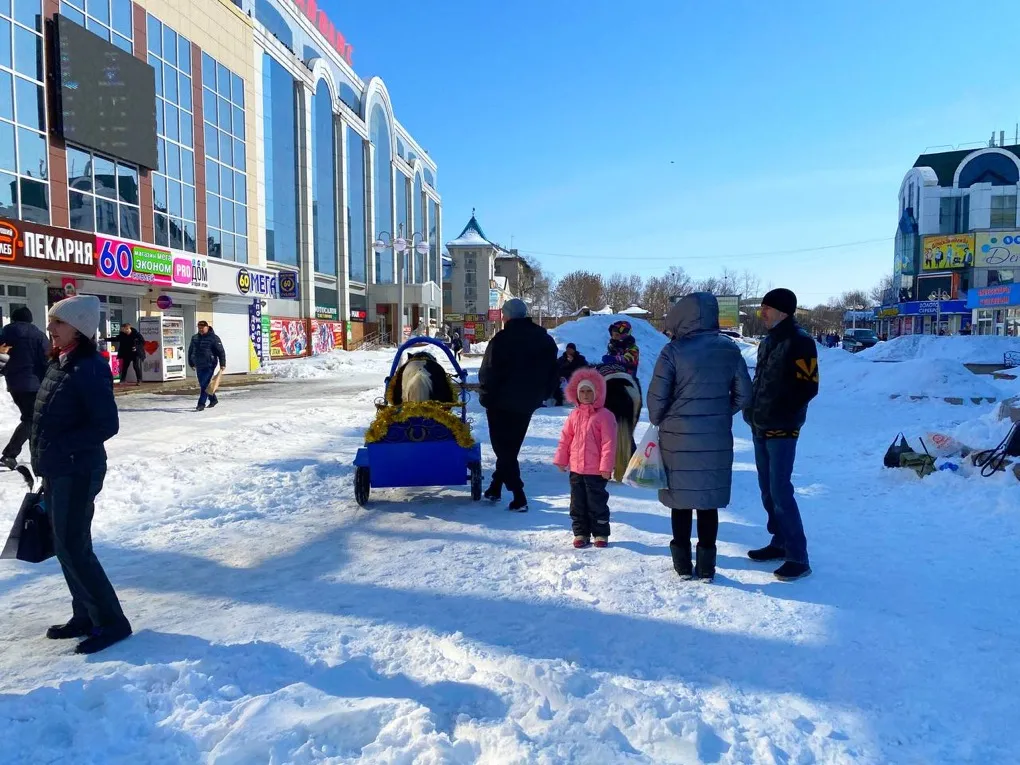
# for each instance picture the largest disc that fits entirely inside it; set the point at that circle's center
(857, 376)
(960, 348)
(278, 622)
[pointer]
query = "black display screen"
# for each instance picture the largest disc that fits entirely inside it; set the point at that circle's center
(106, 98)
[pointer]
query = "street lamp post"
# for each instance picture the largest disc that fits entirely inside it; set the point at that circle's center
(400, 245)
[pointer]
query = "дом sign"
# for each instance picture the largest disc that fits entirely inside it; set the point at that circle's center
(322, 23)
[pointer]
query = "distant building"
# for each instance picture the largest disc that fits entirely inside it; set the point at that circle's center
(473, 287)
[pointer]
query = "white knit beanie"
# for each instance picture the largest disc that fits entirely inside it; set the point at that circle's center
(80, 311)
(586, 384)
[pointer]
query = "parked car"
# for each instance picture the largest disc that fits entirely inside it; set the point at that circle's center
(856, 340)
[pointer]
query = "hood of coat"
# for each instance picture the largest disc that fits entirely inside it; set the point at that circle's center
(591, 375)
(697, 312)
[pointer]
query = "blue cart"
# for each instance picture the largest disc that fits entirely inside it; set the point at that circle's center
(419, 451)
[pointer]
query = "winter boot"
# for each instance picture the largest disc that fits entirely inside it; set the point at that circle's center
(580, 542)
(493, 493)
(791, 572)
(213, 401)
(101, 638)
(75, 628)
(682, 559)
(9, 462)
(519, 503)
(602, 542)
(704, 565)
(767, 553)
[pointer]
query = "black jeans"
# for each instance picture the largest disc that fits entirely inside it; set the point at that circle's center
(70, 502)
(507, 431)
(708, 526)
(26, 405)
(133, 362)
(589, 505)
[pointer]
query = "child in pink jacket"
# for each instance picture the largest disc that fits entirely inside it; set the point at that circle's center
(588, 450)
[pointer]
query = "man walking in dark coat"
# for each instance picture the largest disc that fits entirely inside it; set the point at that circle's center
(28, 348)
(130, 352)
(204, 352)
(517, 375)
(785, 381)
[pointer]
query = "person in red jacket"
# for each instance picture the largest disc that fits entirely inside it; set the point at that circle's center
(587, 449)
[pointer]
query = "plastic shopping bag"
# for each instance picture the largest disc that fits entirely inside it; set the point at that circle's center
(645, 469)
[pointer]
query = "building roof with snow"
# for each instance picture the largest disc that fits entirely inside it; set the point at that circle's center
(634, 310)
(472, 236)
(603, 311)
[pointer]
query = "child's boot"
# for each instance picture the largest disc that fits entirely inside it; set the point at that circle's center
(580, 541)
(602, 542)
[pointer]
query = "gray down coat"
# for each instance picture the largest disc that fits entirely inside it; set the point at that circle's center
(700, 382)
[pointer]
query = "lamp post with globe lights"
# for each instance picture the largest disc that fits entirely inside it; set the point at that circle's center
(385, 241)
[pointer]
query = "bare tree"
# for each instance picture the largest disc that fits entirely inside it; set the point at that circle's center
(579, 289)
(750, 285)
(622, 291)
(660, 291)
(854, 300)
(883, 290)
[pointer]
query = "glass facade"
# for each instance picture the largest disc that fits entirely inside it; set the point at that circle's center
(24, 156)
(103, 195)
(226, 179)
(404, 225)
(173, 187)
(383, 202)
(280, 168)
(110, 19)
(357, 256)
(324, 206)
(420, 226)
(433, 241)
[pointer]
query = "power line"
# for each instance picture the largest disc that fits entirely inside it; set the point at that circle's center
(680, 258)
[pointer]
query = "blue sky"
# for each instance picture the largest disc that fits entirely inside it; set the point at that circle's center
(635, 136)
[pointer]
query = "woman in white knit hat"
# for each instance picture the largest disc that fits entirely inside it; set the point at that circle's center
(75, 413)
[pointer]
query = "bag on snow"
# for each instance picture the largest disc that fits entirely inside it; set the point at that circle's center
(645, 469)
(922, 464)
(896, 450)
(942, 445)
(31, 538)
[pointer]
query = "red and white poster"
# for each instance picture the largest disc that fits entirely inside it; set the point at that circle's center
(327, 336)
(469, 329)
(287, 337)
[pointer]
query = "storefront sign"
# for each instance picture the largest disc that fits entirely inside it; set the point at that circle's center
(191, 271)
(454, 317)
(359, 307)
(994, 297)
(133, 262)
(1000, 249)
(226, 278)
(326, 305)
(495, 314)
(729, 311)
(325, 27)
(256, 283)
(327, 336)
(30, 245)
(947, 251)
(287, 337)
(888, 312)
(288, 285)
(258, 339)
(932, 307)
(164, 301)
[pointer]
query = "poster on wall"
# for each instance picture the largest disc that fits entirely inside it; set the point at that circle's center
(287, 337)
(327, 336)
(947, 251)
(729, 311)
(258, 337)
(998, 249)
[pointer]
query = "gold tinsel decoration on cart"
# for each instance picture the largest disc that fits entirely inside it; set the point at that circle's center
(427, 410)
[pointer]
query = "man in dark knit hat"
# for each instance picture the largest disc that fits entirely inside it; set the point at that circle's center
(785, 381)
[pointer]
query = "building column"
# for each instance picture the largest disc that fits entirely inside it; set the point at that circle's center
(343, 267)
(260, 162)
(306, 247)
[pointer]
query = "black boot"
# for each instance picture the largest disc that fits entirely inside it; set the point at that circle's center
(519, 503)
(75, 628)
(682, 559)
(494, 492)
(101, 638)
(767, 553)
(704, 566)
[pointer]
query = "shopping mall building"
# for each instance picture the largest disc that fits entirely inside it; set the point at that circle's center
(188, 159)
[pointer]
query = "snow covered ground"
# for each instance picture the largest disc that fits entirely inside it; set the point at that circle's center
(962, 349)
(278, 622)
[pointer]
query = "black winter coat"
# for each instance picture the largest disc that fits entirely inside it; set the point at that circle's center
(518, 371)
(566, 368)
(75, 414)
(785, 380)
(28, 356)
(130, 345)
(205, 350)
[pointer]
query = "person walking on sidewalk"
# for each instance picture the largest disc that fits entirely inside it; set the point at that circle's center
(75, 414)
(27, 349)
(518, 373)
(785, 381)
(587, 449)
(700, 382)
(130, 352)
(204, 352)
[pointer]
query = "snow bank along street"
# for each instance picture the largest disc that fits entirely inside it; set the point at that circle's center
(278, 622)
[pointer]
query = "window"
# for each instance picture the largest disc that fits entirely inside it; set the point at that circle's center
(226, 165)
(173, 187)
(280, 166)
(1003, 211)
(404, 226)
(357, 231)
(421, 226)
(102, 194)
(24, 155)
(324, 203)
(383, 175)
(433, 222)
(954, 215)
(110, 19)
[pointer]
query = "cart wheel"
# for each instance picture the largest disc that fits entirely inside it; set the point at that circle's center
(476, 481)
(362, 485)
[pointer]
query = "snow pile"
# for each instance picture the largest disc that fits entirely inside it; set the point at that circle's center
(591, 336)
(332, 364)
(960, 348)
(850, 374)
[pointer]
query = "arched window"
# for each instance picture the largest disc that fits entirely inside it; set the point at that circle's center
(324, 238)
(383, 201)
(993, 168)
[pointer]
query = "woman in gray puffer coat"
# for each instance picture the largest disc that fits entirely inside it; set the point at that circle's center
(700, 382)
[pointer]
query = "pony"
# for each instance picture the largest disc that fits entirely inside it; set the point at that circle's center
(624, 400)
(420, 378)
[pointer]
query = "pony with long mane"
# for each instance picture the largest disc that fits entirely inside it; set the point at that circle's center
(420, 378)
(624, 400)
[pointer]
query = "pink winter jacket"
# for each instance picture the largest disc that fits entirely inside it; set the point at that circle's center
(588, 442)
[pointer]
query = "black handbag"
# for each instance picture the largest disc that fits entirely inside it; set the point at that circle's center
(895, 450)
(31, 538)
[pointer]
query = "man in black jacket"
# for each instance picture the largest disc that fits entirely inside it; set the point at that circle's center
(785, 381)
(517, 374)
(24, 372)
(566, 365)
(204, 352)
(130, 352)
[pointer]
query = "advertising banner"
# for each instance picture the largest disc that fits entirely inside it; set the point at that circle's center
(287, 282)
(947, 251)
(729, 311)
(287, 337)
(125, 261)
(358, 307)
(31, 245)
(994, 297)
(495, 314)
(998, 249)
(258, 340)
(190, 271)
(327, 336)
(493, 298)
(326, 304)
